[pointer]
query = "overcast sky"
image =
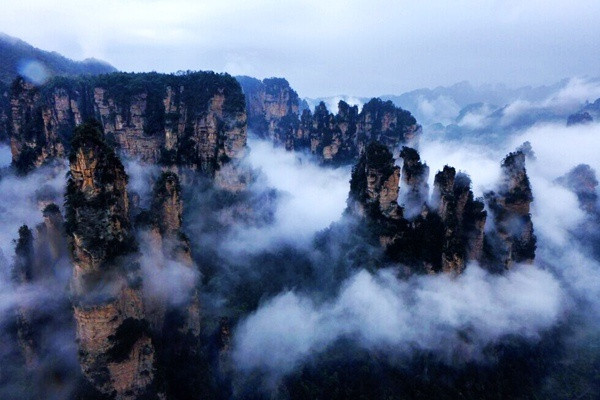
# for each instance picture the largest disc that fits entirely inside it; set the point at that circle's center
(326, 47)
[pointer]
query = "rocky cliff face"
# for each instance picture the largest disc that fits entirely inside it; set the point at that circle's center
(374, 185)
(116, 352)
(449, 230)
(463, 219)
(415, 190)
(165, 230)
(31, 142)
(272, 105)
(194, 120)
(273, 113)
(582, 181)
(341, 138)
(512, 240)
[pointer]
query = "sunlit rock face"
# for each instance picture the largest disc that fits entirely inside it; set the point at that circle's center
(116, 352)
(512, 240)
(273, 113)
(194, 120)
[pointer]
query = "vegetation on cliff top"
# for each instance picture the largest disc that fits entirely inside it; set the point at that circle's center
(99, 219)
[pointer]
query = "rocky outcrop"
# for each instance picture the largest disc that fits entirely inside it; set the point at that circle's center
(450, 228)
(374, 185)
(512, 240)
(579, 118)
(22, 274)
(51, 243)
(272, 106)
(341, 138)
(194, 120)
(166, 236)
(463, 219)
(274, 113)
(589, 113)
(582, 181)
(37, 267)
(116, 351)
(415, 190)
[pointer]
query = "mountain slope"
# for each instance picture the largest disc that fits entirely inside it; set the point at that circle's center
(18, 57)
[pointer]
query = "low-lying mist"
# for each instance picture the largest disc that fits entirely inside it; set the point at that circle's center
(288, 268)
(309, 198)
(456, 318)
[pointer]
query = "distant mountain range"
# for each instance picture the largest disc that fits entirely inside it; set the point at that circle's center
(464, 110)
(20, 58)
(458, 111)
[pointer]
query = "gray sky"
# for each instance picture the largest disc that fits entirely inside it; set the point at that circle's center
(326, 47)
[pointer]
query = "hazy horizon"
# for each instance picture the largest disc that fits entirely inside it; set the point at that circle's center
(325, 48)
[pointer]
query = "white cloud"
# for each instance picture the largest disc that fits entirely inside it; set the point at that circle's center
(310, 197)
(382, 312)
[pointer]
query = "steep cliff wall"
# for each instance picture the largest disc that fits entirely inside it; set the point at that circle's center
(272, 105)
(512, 240)
(415, 190)
(273, 113)
(166, 219)
(195, 120)
(374, 184)
(341, 138)
(449, 229)
(463, 219)
(116, 351)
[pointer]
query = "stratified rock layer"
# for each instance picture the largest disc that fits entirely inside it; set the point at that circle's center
(449, 229)
(115, 348)
(273, 113)
(195, 120)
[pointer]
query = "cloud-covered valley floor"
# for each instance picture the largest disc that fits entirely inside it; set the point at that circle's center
(300, 307)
